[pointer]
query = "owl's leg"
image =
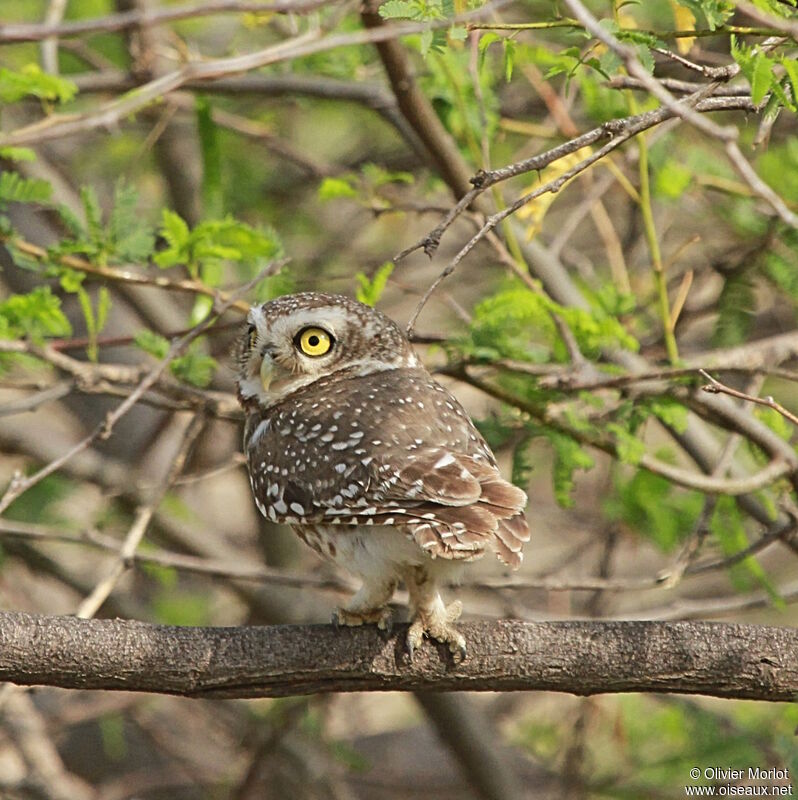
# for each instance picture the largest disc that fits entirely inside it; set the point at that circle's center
(429, 615)
(369, 604)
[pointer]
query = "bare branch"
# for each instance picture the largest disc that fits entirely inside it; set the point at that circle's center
(684, 109)
(622, 129)
(584, 658)
(109, 114)
(32, 32)
(716, 387)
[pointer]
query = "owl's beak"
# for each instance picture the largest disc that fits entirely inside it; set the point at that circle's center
(266, 371)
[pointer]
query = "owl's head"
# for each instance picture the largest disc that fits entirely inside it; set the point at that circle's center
(294, 340)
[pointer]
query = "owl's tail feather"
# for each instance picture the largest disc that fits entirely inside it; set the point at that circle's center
(511, 534)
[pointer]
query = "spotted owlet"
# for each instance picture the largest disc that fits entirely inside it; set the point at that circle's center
(373, 464)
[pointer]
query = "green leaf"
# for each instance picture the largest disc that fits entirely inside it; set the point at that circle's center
(181, 608)
(378, 176)
(17, 154)
(16, 189)
(30, 81)
(426, 40)
(629, 447)
(568, 457)
(651, 506)
(791, 68)
(777, 422)
(91, 324)
(522, 464)
(71, 280)
(509, 58)
(672, 179)
(715, 12)
(203, 305)
(95, 320)
(195, 368)
(103, 307)
(726, 525)
(333, 188)
(369, 291)
(397, 9)
(670, 411)
(94, 217)
(214, 240)
(131, 237)
(176, 233)
(36, 314)
(762, 78)
(152, 343)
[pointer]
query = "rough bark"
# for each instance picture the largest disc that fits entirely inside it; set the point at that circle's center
(583, 658)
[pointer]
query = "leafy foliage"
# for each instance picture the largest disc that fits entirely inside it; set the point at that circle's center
(124, 236)
(202, 250)
(370, 290)
(30, 81)
(650, 505)
(16, 189)
(36, 314)
(194, 367)
(518, 323)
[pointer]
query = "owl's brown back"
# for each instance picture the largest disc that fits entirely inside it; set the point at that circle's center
(391, 447)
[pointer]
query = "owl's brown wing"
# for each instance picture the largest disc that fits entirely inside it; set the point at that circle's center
(391, 448)
(457, 505)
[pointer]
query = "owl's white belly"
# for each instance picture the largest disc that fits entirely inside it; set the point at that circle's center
(375, 553)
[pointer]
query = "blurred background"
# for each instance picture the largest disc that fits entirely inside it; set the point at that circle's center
(147, 175)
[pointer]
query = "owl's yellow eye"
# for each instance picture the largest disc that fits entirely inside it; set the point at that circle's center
(314, 341)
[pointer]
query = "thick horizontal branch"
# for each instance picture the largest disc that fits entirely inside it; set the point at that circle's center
(584, 658)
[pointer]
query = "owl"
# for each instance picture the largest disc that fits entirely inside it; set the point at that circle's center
(371, 462)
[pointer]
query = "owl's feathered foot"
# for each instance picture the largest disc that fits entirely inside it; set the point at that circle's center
(382, 617)
(437, 624)
(430, 617)
(369, 605)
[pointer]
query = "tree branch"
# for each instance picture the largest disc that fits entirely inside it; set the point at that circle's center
(584, 658)
(111, 23)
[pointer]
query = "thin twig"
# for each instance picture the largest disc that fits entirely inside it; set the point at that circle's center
(778, 468)
(93, 602)
(627, 126)
(58, 126)
(112, 23)
(716, 387)
(122, 274)
(684, 109)
(21, 484)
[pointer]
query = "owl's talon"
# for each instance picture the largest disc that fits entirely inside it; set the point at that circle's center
(439, 627)
(382, 617)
